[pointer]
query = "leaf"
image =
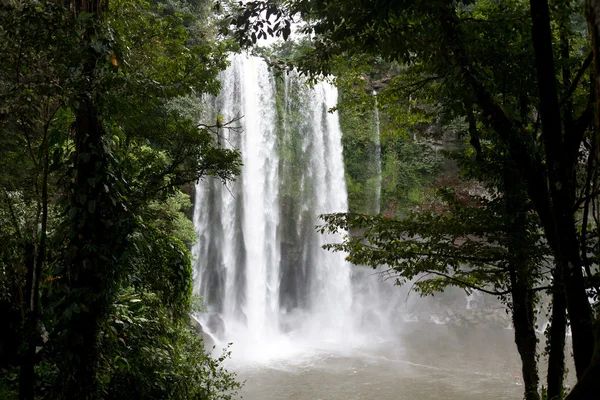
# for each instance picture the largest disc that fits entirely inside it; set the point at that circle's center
(91, 206)
(113, 60)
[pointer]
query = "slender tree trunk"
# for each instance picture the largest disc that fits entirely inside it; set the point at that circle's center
(26, 371)
(593, 19)
(521, 281)
(525, 335)
(556, 339)
(588, 386)
(27, 374)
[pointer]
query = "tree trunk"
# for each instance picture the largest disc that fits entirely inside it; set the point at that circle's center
(525, 335)
(556, 340)
(588, 383)
(26, 371)
(562, 233)
(27, 374)
(593, 20)
(521, 281)
(91, 262)
(88, 284)
(588, 386)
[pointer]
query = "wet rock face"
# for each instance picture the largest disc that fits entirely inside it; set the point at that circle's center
(216, 325)
(208, 340)
(194, 323)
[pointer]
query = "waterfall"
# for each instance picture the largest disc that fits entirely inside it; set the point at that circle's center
(260, 268)
(377, 136)
(260, 214)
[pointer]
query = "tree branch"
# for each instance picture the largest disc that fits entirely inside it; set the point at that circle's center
(584, 66)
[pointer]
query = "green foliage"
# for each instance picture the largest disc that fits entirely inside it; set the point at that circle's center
(466, 246)
(408, 167)
(7, 391)
(169, 217)
(361, 156)
(96, 138)
(403, 167)
(161, 264)
(147, 355)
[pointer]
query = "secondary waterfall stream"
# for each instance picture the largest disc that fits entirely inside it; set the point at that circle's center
(304, 324)
(377, 137)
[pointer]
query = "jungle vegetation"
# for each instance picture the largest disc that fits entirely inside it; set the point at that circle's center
(97, 145)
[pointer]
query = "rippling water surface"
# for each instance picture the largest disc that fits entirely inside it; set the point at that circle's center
(422, 362)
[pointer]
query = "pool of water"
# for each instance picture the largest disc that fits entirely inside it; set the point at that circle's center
(422, 361)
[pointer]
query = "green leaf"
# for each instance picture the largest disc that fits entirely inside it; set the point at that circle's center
(91, 206)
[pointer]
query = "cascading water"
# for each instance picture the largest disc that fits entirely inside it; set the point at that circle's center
(260, 267)
(377, 137)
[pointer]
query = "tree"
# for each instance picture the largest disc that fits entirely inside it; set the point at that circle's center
(88, 111)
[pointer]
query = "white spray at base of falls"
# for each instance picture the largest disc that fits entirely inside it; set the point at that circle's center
(264, 278)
